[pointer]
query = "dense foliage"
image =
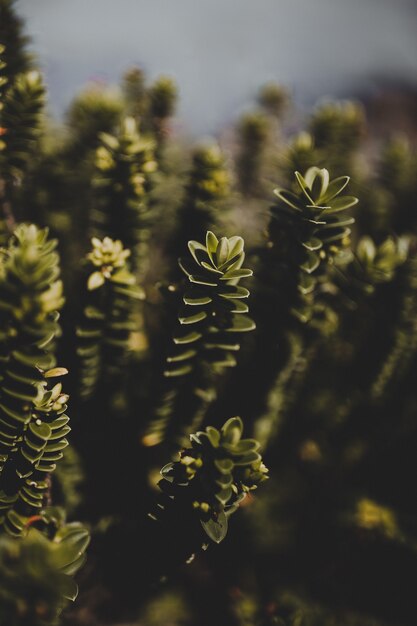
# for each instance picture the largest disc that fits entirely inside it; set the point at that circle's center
(129, 261)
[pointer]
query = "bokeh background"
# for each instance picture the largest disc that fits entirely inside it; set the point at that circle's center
(221, 51)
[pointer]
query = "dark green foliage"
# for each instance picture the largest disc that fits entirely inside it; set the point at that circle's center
(300, 155)
(94, 111)
(310, 230)
(214, 313)
(25, 477)
(397, 177)
(36, 571)
(162, 100)
(210, 322)
(337, 129)
(376, 264)
(135, 92)
(153, 106)
(213, 476)
(209, 178)
(253, 132)
(3, 75)
(404, 344)
(20, 119)
(123, 164)
(103, 333)
(274, 99)
(207, 187)
(14, 41)
(30, 297)
(36, 565)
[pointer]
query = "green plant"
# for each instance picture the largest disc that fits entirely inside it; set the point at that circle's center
(207, 188)
(107, 314)
(123, 165)
(36, 564)
(325, 382)
(20, 119)
(212, 477)
(253, 131)
(210, 322)
(308, 227)
(36, 571)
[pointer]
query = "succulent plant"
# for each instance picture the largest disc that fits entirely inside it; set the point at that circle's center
(36, 570)
(311, 224)
(109, 256)
(162, 98)
(214, 314)
(206, 340)
(20, 120)
(106, 322)
(377, 264)
(30, 298)
(207, 188)
(124, 163)
(214, 475)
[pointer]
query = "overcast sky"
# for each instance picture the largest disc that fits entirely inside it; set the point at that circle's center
(220, 51)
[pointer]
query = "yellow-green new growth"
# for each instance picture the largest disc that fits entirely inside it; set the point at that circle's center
(214, 312)
(109, 256)
(379, 262)
(311, 222)
(107, 318)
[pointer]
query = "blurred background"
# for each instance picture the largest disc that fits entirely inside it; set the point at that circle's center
(220, 52)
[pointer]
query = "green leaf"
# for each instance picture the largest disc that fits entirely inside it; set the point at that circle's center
(232, 430)
(210, 268)
(306, 186)
(225, 466)
(224, 495)
(241, 324)
(313, 244)
(216, 530)
(248, 458)
(196, 300)
(236, 245)
(183, 356)
(342, 203)
(193, 319)
(335, 187)
(231, 292)
(289, 198)
(180, 371)
(196, 248)
(202, 280)
(213, 435)
(95, 280)
(187, 338)
(238, 273)
(211, 244)
(311, 263)
(306, 284)
(222, 252)
(69, 587)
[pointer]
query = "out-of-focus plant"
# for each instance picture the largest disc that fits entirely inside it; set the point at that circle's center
(123, 163)
(103, 334)
(211, 478)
